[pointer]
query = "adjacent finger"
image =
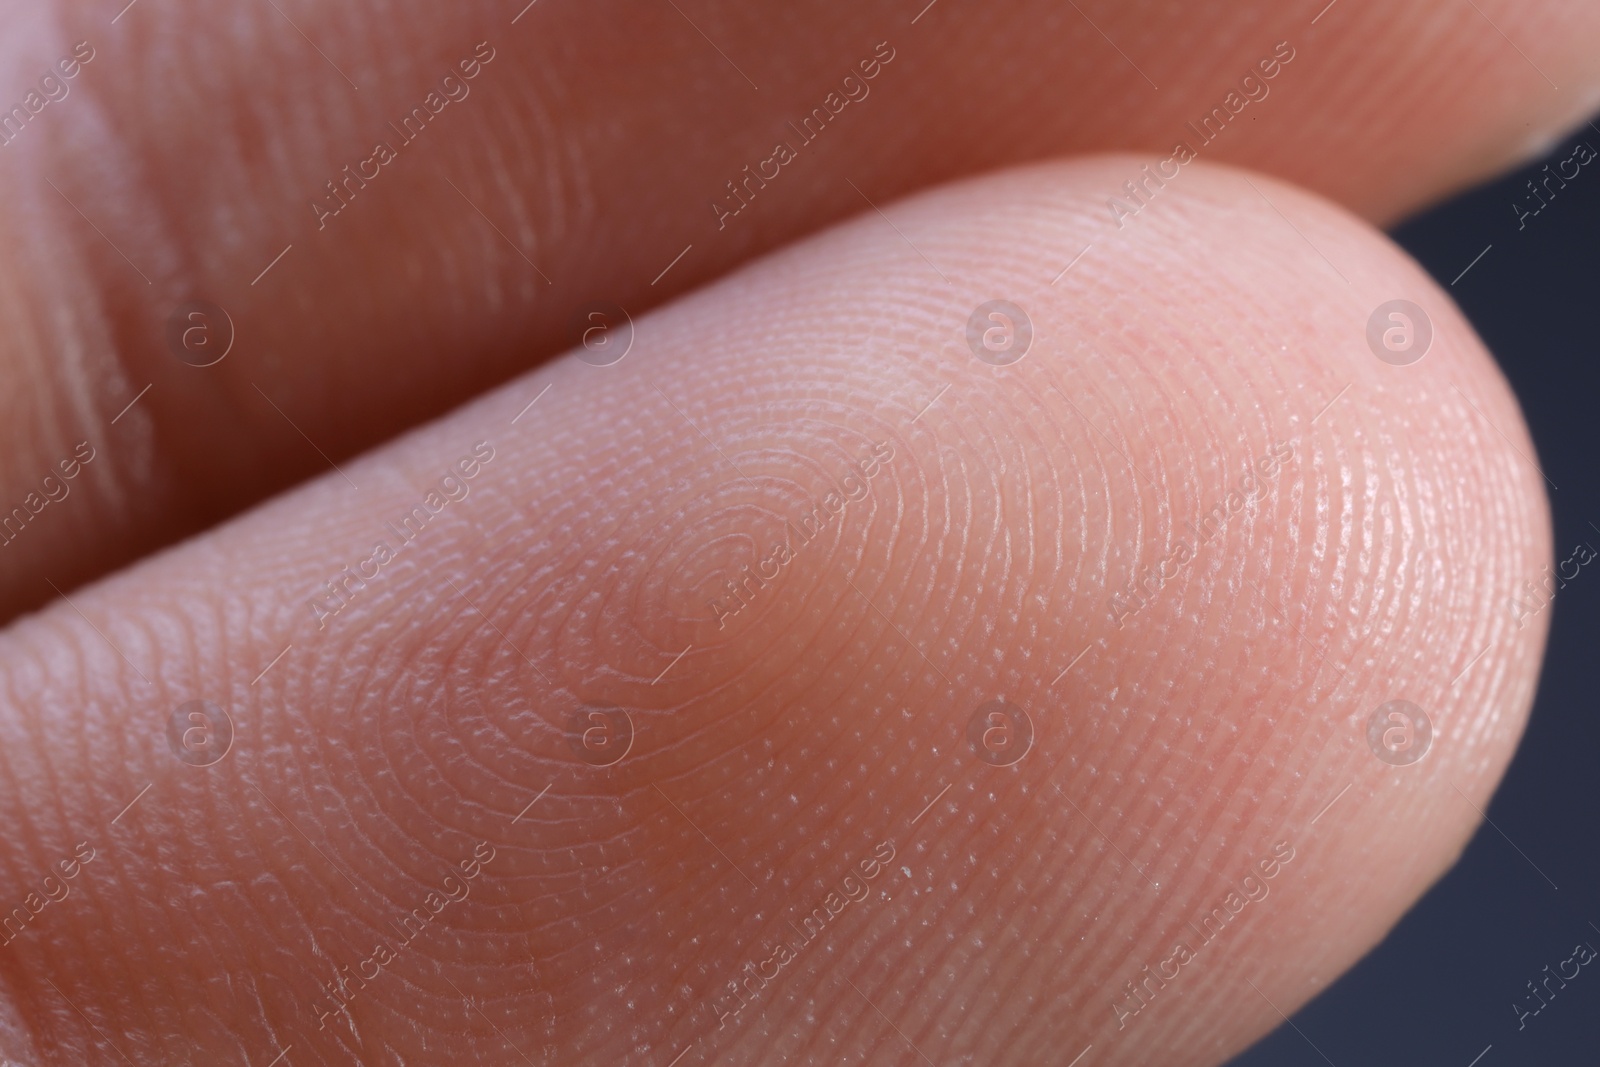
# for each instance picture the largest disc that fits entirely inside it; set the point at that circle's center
(378, 211)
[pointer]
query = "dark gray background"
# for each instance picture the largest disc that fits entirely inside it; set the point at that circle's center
(1440, 989)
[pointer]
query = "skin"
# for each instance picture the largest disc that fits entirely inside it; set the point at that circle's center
(576, 172)
(1175, 746)
(830, 715)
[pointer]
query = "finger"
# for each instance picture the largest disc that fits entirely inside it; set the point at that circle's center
(203, 158)
(702, 651)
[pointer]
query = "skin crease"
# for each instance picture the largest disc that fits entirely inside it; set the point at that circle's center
(582, 162)
(830, 715)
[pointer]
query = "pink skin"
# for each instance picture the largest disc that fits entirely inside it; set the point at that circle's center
(785, 745)
(576, 165)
